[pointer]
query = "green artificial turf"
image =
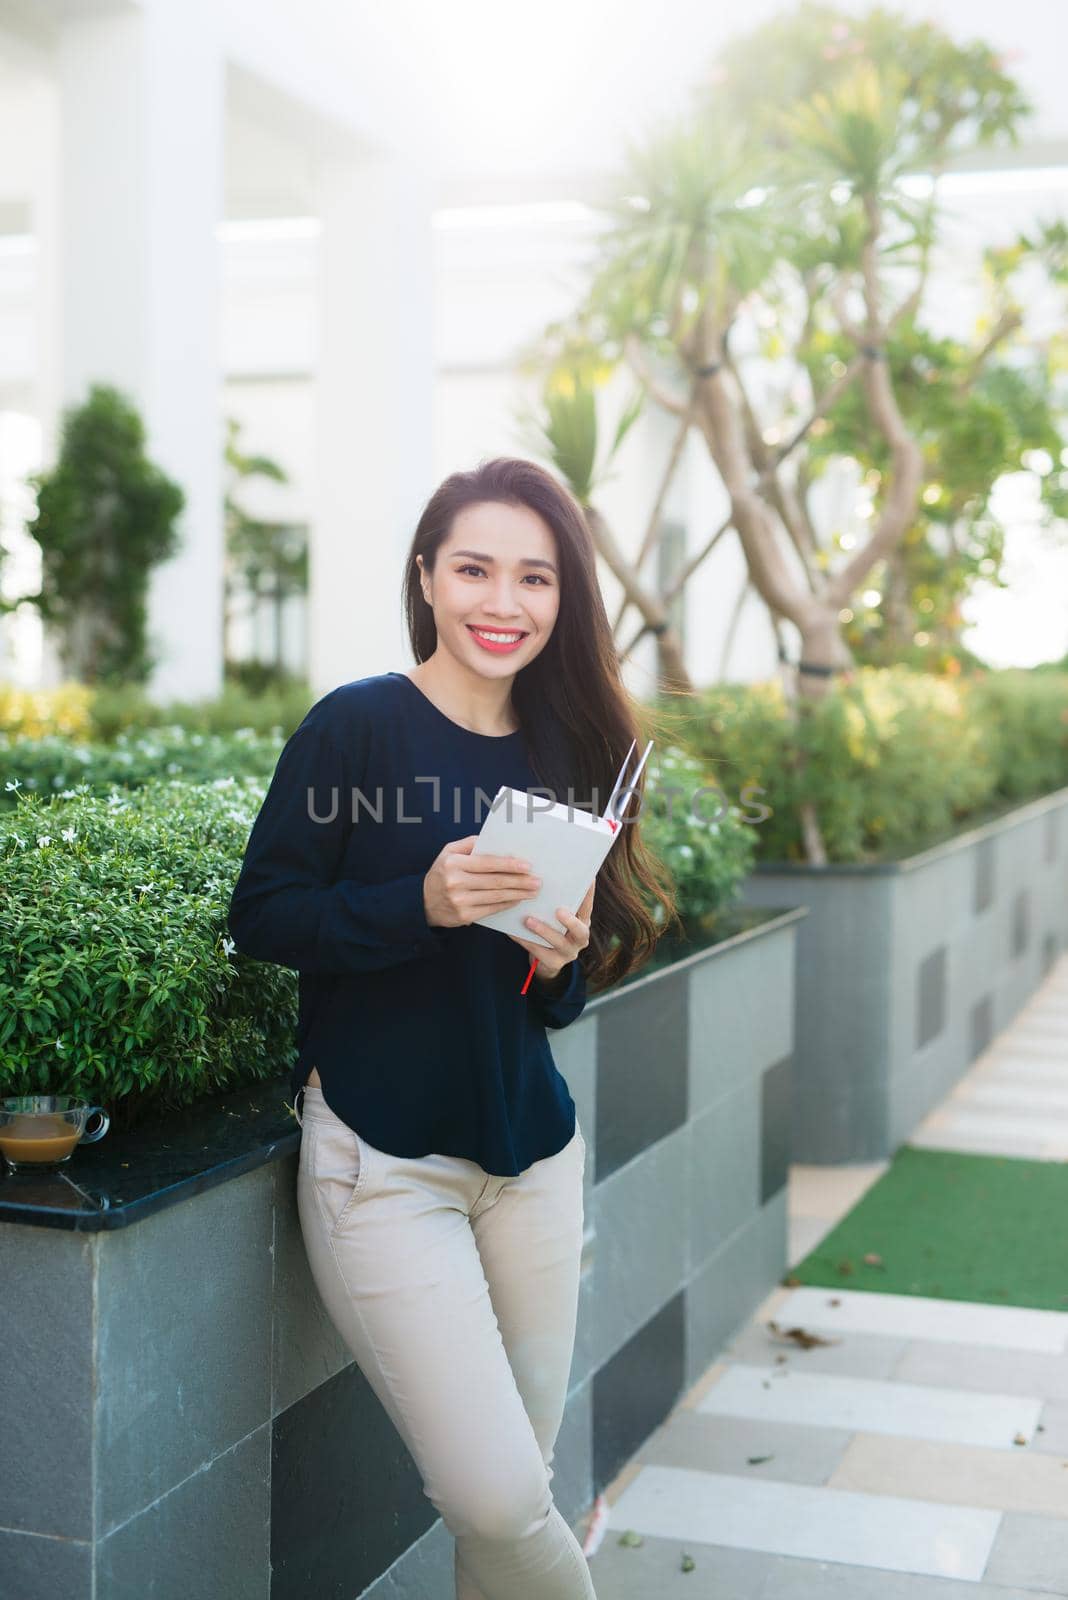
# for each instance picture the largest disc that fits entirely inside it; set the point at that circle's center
(955, 1227)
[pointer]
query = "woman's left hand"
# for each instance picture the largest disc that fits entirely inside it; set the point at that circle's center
(566, 946)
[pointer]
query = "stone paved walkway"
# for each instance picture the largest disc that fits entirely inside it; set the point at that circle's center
(892, 1472)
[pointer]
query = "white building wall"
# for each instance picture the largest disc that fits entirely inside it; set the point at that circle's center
(141, 198)
(493, 288)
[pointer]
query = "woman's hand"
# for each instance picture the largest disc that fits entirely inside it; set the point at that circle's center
(460, 886)
(566, 946)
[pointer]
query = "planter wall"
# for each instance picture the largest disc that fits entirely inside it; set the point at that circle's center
(180, 1416)
(907, 969)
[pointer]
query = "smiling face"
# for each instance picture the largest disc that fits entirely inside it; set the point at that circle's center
(495, 576)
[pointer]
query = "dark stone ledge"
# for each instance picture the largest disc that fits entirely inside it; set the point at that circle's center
(170, 1156)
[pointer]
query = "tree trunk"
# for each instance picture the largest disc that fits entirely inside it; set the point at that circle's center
(676, 678)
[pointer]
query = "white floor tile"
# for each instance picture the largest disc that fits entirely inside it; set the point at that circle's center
(1029, 1071)
(805, 1235)
(871, 1405)
(831, 1191)
(982, 1144)
(1042, 1035)
(1049, 1046)
(864, 1530)
(1010, 1095)
(848, 1311)
(1026, 1129)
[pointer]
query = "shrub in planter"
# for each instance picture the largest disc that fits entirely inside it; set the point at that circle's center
(1024, 717)
(118, 981)
(53, 766)
(895, 759)
(698, 835)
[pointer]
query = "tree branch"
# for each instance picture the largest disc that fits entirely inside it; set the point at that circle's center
(652, 529)
(669, 398)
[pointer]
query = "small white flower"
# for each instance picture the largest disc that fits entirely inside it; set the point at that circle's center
(43, 839)
(19, 840)
(228, 945)
(69, 833)
(60, 1045)
(15, 783)
(145, 888)
(67, 794)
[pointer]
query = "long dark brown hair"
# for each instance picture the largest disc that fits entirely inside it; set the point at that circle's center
(576, 715)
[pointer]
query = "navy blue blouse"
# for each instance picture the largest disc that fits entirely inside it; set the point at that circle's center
(421, 1037)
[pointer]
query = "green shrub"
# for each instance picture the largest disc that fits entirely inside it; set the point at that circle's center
(118, 981)
(105, 515)
(101, 713)
(894, 759)
(128, 709)
(55, 766)
(1024, 716)
(700, 838)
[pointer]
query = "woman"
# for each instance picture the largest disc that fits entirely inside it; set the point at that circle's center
(440, 1185)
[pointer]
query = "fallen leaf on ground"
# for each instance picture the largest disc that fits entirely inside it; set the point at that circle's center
(800, 1336)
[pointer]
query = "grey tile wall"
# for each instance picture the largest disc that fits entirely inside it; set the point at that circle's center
(984, 858)
(1021, 922)
(906, 970)
(982, 1024)
(191, 1423)
(930, 996)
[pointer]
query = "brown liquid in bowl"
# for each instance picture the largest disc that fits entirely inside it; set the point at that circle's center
(38, 1138)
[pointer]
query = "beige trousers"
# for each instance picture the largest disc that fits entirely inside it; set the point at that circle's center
(457, 1294)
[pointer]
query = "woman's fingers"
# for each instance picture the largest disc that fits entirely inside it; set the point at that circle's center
(567, 943)
(578, 930)
(486, 863)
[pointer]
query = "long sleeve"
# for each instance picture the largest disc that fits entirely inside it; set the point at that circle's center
(558, 1007)
(286, 907)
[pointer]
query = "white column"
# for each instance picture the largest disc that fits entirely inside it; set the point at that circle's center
(374, 396)
(142, 163)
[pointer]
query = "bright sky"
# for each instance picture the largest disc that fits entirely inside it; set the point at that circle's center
(1027, 623)
(562, 85)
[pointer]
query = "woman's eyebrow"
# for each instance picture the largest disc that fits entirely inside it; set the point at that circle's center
(526, 561)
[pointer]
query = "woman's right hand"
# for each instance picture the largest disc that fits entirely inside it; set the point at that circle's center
(460, 886)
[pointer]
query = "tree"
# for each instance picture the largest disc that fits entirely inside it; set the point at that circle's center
(762, 274)
(263, 558)
(105, 517)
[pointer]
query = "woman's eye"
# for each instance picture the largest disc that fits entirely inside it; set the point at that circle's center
(470, 567)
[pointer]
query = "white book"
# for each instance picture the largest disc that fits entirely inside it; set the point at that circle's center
(564, 845)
